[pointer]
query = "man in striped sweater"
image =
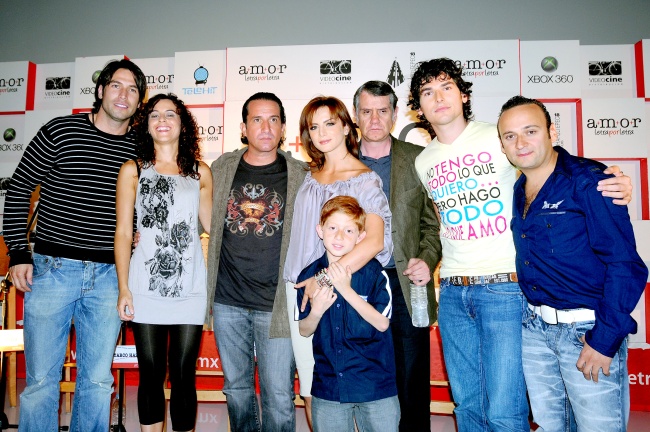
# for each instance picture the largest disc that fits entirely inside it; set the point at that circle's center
(71, 273)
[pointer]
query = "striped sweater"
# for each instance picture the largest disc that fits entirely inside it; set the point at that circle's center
(76, 165)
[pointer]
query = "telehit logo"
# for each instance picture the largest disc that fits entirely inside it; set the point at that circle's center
(200, 77)
(611, 127)
(549, 64)
(262, 73)
(478, 68)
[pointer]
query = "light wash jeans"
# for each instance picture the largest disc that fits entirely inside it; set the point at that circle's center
(480, 327)
(63, 289)
(241, 335)
(560, 396)
(375, 416)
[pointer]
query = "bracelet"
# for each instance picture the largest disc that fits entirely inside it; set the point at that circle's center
(323, 280)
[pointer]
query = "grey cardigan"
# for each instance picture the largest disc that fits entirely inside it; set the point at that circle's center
(223, 173)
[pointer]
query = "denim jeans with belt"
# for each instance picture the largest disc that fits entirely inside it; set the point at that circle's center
(63, 289)
(242, 336)
(480, 327)
(560, 396)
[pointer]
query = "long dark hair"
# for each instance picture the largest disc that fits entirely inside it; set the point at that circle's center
(338, 111)
(189, 151)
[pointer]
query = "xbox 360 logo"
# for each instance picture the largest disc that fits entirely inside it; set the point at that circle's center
(549, 64)
(95, 76)
(9, 135)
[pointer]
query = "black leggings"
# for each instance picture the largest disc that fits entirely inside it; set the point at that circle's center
(151, 345)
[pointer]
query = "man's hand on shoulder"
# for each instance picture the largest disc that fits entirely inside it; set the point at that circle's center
(21, 276)
(590, 362)
(619, 187)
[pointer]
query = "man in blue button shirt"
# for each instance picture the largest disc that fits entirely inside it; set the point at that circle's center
(579, 269)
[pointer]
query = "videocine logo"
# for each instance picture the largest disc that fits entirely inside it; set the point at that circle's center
(605, 68)
(605, 72)
(57, 87)
(57, 83)
(335, 71)
(335, 67)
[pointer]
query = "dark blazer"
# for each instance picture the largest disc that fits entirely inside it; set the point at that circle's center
(416, 229)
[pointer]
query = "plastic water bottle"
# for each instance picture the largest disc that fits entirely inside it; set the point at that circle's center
(419, 306)
(115, 408)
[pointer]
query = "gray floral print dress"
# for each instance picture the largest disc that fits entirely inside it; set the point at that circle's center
(167, 275)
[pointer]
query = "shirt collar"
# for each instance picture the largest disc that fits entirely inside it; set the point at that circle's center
(562, 165)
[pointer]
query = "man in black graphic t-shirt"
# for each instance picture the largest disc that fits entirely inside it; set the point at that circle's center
(254, 192)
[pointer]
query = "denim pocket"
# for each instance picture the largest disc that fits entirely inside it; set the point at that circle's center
(578, 331)
(509, 288)
(42, 264)
(528, 318)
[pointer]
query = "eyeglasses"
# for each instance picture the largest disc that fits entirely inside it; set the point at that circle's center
(169, 115)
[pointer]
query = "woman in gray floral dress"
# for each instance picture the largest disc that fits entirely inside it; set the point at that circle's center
(163, 285)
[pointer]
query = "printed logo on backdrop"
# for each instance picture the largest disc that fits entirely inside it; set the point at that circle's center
(160, 82)
(261, 73)
(91, 90)
(210, 133)
(4, 185)
(395, 76)
(550, 64)
(335, 71)
(10, 85)
(605, 73)
(467, 193)
(557, 121)
(201, 75)
(478, 68)
(613, 126)
(8, 136)
(57, 87)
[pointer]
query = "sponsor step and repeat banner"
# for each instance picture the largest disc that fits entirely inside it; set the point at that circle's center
(598, 97)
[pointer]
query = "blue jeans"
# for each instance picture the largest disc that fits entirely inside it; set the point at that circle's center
(63, 289)
(375, 416)
(560, 396)
(480, 327)
(241, 336)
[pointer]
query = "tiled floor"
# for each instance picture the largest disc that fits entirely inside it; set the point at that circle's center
(213, 417)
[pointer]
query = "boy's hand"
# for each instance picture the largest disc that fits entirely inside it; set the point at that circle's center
(340, 277)
(322, 300)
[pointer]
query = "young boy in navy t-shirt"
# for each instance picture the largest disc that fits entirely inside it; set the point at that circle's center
(354, 374)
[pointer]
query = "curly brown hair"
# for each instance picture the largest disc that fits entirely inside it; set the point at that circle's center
(189, 150)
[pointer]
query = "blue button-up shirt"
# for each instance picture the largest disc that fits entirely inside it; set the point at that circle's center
(576, 249)
(355, 362)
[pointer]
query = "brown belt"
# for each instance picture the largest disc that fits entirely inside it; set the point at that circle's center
(481, 280)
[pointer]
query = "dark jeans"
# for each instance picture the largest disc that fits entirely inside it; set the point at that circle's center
(412, 361)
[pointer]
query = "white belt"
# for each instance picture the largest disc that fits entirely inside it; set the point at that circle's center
(567, 316)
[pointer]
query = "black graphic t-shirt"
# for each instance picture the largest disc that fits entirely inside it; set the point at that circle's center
(252, 236)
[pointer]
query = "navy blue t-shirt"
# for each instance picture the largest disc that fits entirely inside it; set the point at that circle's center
(355, 362)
